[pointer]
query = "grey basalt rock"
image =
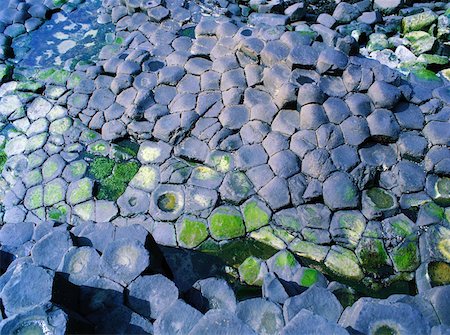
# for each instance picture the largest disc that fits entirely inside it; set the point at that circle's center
(369, 314)
(312, 324)
(29, 286)
(49, 251)
(151, 295)
(264, 316)
(339, 192)
(218, 294)
(178, 318)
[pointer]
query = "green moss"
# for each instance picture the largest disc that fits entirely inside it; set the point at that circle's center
(28, 86)
(3, 159)
(254, 216)
(434, 210)
(309, 250)
(192, 233)
(309, 278)
(125, 171)
(406, 256)
(425, 75)
(118, 40)
(226, 223)
(267, 236)
(53, 193)
(78, 168)
(350, 193)
(380, 198)
(45, 74)
(439, 273)
(343, 263)
(249, 271)
(110, 189)
(101, 168)
(50, 169)
(285, 259)
(59, 3)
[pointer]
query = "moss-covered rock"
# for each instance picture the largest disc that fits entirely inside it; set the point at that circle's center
(343, 262)
(267, 236)
(421, 42)
(418, 21)
(405, 256)
(191, 232)
(372, 254)
(101, 167)
(54, 192)
(252, 270)
(256, 214)
(226, 223)
(377, 202)
(80, 191)
(439, 273)
(309, 250)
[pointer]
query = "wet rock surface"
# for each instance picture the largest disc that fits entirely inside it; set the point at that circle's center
(222, 167)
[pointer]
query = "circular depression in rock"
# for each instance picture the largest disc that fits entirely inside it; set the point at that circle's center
(167, 202)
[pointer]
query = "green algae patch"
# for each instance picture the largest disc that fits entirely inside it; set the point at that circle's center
(439, 273)
(380, 198)
(191, 232)
(309, 250)
(254, 216)
(406, 255)
(249, 271)
(226, 223)
(309, 278)
(285, 259)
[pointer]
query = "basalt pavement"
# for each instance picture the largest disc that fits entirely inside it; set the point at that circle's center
(218, 167)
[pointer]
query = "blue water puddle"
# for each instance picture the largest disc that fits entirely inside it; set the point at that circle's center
(64, 40)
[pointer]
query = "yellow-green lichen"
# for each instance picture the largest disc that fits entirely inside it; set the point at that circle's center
(249, 271)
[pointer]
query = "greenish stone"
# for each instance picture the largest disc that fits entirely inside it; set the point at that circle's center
(309, 277)
(433, 59)
(34, 197)
(36, 142)
(85, 210)
(377, 42)
(101, 167)
(33, 177)
(5, 72)
(226, 223)
(99, 148)
(267, 236)
(285, 259)
(343, 262)
(80, 191)
(191, 232)
(78, 169)
(29, 86)
(204, 173)
(54, 192)
(405, 256)
(146, 178)
(58, 213)
(309, 250)
(249, 271)
(254, 216)
(418, 21)
(372, 254)
(60, 126)
(421, 42)
(221, 161)
(45, 74)
(424, 75)
(381, 198)
(49, 169)
(401, 228)
(442, 188)
(439, 273)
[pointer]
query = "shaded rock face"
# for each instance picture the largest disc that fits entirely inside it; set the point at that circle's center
(269, 149)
